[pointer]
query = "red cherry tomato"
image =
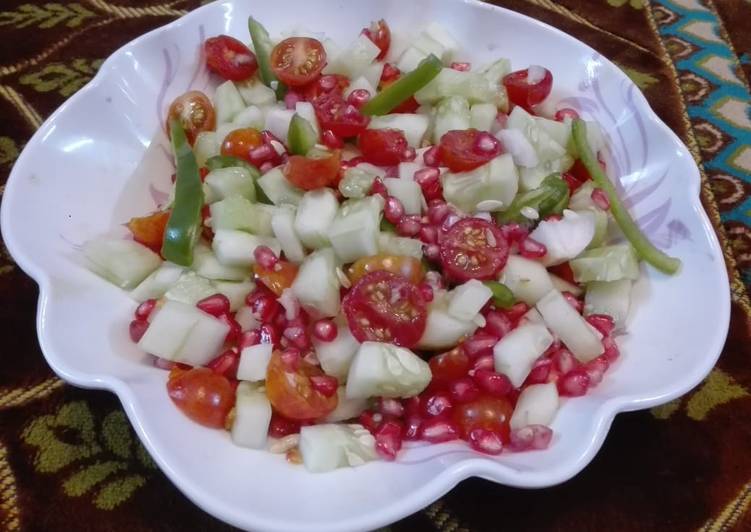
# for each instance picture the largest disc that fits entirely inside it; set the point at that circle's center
(149, 230)
(341, 117)
(195, 113)
(522, 92)
(310, 173)
(204, 396)
(292, 393)
(450, 365)
(385, 307)
(489, 413)
(459, 150)
(473, 249)
(230, 58)
(382, 147)
(408, 267)
(380, 33)
(276, 279)
(335, 83)
(297, 61)
(239, 142)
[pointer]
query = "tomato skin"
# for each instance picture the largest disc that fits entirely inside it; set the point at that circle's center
(385, 307)
(149, 230)
(195, 112)
(291, 393)
(239, 142)
(473, 249)
(489, 413)
(276, 279)
(341, 117)
(310, 173)
(202, 395)
(408, 267)
(457, 150)
(380, 33)
(329, 83)
(449, 366)
(520, 92)
(230, 58)
(383, 147)
(297, 61)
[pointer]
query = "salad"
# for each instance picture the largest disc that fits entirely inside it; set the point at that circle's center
(377, 244)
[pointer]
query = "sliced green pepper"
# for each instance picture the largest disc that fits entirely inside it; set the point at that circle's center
(503, 297)
(263, 46)
(399, 91)
(184, 224)
(228, 161)
(643, 247)
(301, 136)
(551, 197)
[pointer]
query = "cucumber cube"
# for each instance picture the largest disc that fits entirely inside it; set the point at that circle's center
(227, 102)
(254, 360)
(515, 354)
(253, 92)
(537, 405)
(278, 189)
(390, 244)
(238, 213)
(336, 356)
(451, 113)
(407, 192)
(573, 330)
(283, 225)
(412, 125)
(387, 370)
(315, 214)
(231, 181)
(317, 285)
(158, 282)
(250, 426)
(491, 187)
(207, 145)
(207, 265)
(235, 248)
(277, 122)
(353, 60)
(235, 292)
(191, 288)
(466, 300)
(354, 235)
(329, 446)
(252, 116)
(612, 298)
(124, 263)
(527, 279)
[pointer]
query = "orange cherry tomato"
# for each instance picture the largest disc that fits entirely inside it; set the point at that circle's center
(489, 413)
(204, 396)
(408, 267)
(450, 365)
(292, 393)
(310, 173)
(149, 230)
(297, 61)
(239, 142)
(276, 279)
(195, 113)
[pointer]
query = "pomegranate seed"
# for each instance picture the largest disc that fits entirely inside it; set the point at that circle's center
(388, 439)
(409, 155)
(516, 311)
(485, 441)
(379, 188)
(330, 140)
(269, 334)
(531, 437)
(390, 407)
(263, 305)
(430, 158)
(577, 305)
(438, 210)
(408, 226)
(540, 372)
(412, 427)
(427, 178)
(234, 328)
(280, 426)
(482, 363)
(412, 406)
(479, 344)
(602, 322)
(393, 210)
(324, 384)
(497, 324)
(216, 305)
(370, 420)
(225, 364)
(437, 404)
(351, 112)
(563, 361)
(291, 99)
(327, 82)
(428, 234)
(612, 352)
(600, 198)
(514, 232)
(432, 252)
(291, 359)
(493, 383)
(461, 67)
(596, 369)
(265, 257)
(144, 310)
(325, 330)
(297, 336)
(249, 338)
(532, 249)
(265, 167)
(566, 112)
(261, 154)
(464, 390)
(501, 120)
(426, 291)
(572, 182)
(486, 144)
(358, 98)
(137, 329)
(437, 430)
(574, 383)
(390, 72)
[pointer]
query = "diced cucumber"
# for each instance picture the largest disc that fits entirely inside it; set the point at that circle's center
(317, 285)
(531, 178)
(546, 148)
(235, 292)
(467, 299)
(537, 405)
(282, 222)
(301, 137)
(336, 356)
(443, 331)
(315, 214)
(526, 278)
(410, 59)
(306, 111)
(441, 35)
(158, 282)
(206, 146)
(252, 116)
(612, 298)
(491, 187)
(237, 213)
(413, 126)
(473, 87)
(607, 263)
(372, 169)
(353, 60)
(253, 92)
(515, 354)
(387, 370)
(569, 326)
(254, 360)
(124, 263)
(346, 408)
(562, 285)
(356, 183)
(373, 74)
(426, 43)
(451, 113)
(391, 244)
(407, 170)
(278, 121)
(496, 71)
(329, 446)
(482, 116)
(408, 192)
(226, 182)
(582, 198)
(354, 233)
(560, 132)
(515, 143)
(361, 83)
(245, 318)
(222, 130)
(227, 102)
(278, 189)
(235, 248)
(250, 425)
(190, 288)
(566, 238)
(206, 264)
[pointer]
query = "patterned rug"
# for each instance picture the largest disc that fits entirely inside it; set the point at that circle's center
(70, 461)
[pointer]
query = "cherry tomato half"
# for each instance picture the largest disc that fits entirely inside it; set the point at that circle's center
(239, 142)
(204, 396)
(276, 279)
(384, 307)
(408, 267)
(291, 392)
(335, 83)
(449, 366)
(195, 113)
(312, 172)
(489, 413)
(458, 150)
(341, 117)
(297, 61)
(230, 58)
(380, 33)
(522, 92)
(473, 249)
(383, 147)
(149, 230)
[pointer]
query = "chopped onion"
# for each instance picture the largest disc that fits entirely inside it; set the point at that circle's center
(519, 147)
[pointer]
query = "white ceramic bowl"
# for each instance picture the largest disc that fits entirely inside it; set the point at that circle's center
(93, 165)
